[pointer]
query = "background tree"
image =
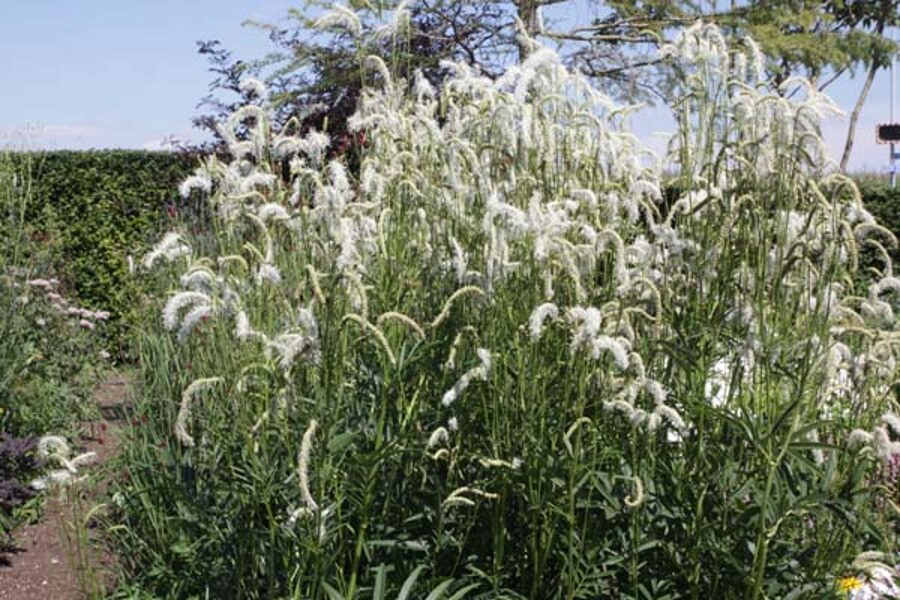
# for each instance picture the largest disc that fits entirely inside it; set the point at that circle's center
(314, 74)
(866, 22)
(823, 41)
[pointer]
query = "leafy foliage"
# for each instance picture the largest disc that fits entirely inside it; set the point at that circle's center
(17, 463)
(881, 200)
(49, 352)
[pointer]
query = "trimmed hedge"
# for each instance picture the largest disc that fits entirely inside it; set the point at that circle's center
(882, 201)
(94, 208)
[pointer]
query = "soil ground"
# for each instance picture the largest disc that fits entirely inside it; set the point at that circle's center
(43, 566)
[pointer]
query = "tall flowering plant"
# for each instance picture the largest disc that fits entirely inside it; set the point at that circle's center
(496, 358)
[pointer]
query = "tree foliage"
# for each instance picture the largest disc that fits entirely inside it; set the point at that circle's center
(314, 71)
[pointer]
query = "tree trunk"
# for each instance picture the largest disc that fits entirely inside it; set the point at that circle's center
(854, 116)
(864, 93)
(528, 14)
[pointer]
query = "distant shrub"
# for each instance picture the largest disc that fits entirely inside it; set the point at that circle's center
(881, 201)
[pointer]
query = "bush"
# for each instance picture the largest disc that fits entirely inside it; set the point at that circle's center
(496, 364)
(49, 349)
(17, 463)
(881, 201)
(50, 355)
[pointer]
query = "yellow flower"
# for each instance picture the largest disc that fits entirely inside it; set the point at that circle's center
(848, 584)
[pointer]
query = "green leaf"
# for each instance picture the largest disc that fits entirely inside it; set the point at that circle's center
(380, 583)
(461, 593)
(409, 583)
(333, 594)
(440, 590)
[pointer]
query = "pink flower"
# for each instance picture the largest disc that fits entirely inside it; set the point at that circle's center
(893, 471)
(41, 283)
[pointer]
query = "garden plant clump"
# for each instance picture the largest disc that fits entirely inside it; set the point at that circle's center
(17, 461)
(491, 361)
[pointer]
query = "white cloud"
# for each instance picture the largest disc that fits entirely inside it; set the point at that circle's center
(68, 131)
(170, 142)
(49, 136)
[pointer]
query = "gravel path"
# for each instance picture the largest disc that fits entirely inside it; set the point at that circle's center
(41, 567)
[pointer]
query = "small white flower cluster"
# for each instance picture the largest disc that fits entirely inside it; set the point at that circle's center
(661, 413)
(200, 308)
(170, 247)
(878, 581)
(879, 439)
(195, 182)
(184, 409)
(479, 372)
(301, 341)
(340, 17)
(587, 335)
(55, 449)
(310, 507)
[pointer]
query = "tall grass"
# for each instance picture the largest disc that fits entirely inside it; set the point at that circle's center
(494, 363)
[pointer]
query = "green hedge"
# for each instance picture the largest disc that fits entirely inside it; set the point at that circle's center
(95, 208)
(882, 201)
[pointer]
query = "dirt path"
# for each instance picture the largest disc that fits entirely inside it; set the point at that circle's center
(43, 567)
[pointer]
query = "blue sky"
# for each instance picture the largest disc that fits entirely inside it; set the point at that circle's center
(114, 73)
